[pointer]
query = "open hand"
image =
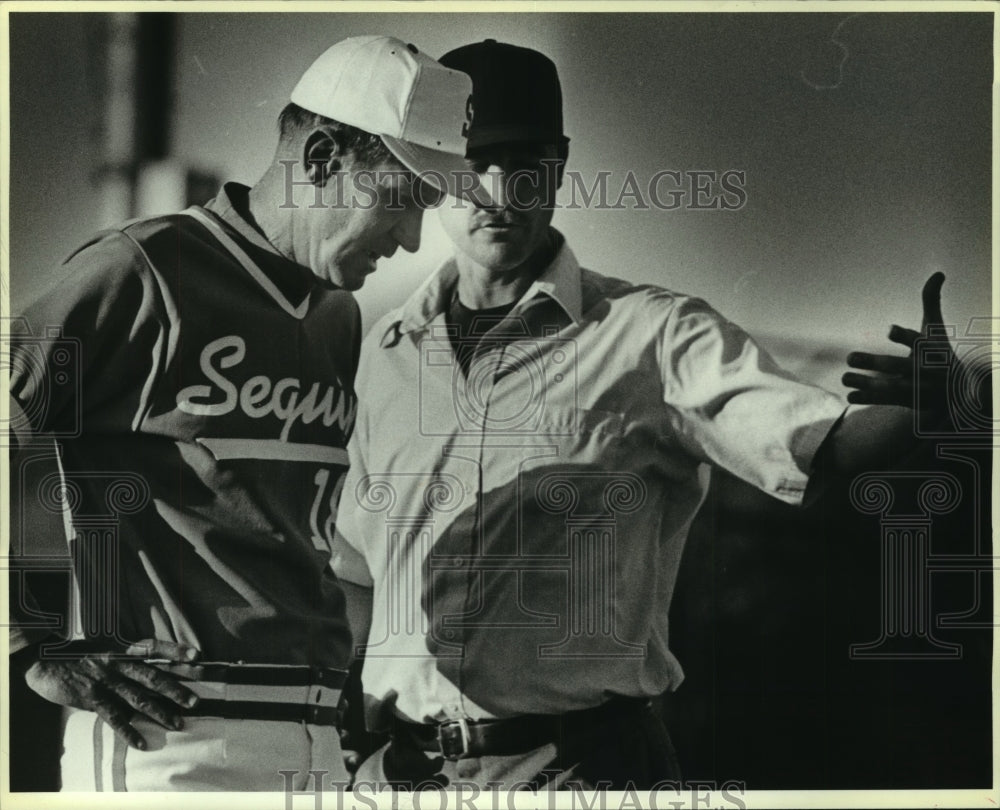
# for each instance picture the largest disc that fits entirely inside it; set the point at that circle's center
(898, 380)
(118, 687)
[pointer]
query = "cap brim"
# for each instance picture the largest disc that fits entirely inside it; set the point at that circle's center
(492, 136)
(445, 171)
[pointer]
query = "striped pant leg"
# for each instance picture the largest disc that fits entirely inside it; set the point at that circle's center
(93, 757)
(209, 754)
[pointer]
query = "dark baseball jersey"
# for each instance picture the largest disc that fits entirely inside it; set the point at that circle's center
(202, 435)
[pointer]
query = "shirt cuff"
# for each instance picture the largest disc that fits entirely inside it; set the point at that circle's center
(807, 440)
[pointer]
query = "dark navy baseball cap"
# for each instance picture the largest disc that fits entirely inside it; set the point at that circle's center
(516, 96)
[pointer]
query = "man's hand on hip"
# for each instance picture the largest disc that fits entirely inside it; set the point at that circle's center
(118, 687)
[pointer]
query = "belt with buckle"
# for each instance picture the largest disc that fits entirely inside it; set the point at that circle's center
(464, 737)
(261, 691)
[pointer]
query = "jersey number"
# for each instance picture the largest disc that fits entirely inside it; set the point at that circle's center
(323, 521)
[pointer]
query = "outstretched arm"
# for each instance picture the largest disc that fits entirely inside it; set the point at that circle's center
(900, 389)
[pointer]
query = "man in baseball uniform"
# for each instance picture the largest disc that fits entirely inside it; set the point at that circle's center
(520, 547)
(215, 380)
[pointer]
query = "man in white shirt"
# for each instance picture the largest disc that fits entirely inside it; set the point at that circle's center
(533, 442)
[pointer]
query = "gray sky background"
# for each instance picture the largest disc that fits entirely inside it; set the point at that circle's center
(867, 163)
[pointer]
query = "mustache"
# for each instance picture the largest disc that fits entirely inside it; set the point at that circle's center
(504, 216)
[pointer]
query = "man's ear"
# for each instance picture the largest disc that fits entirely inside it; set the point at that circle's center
(322, 155)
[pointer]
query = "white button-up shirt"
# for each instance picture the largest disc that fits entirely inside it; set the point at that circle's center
(522, 524)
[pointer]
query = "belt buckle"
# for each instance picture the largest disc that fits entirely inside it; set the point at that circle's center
(453, 737)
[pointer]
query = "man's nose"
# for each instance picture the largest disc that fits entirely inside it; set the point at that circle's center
(494, 180)
(407, 230)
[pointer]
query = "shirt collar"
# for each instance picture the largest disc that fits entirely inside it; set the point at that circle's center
(225, 207)
(560, 281)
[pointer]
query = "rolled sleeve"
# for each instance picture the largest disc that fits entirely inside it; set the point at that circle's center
(736, 408)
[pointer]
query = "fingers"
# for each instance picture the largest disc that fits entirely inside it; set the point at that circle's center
(158, 681)
(149, 690)
(140, 687)
(885, 364)
(114, 711)
(932, 302)
(892, 384)
(146, 703)
(115, 689)
(933, 320)
(905, 337)
(165, 650)
(863, 397)
(878, 390)
(120, 721)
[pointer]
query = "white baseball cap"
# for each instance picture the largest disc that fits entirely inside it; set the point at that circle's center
(382, 85)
